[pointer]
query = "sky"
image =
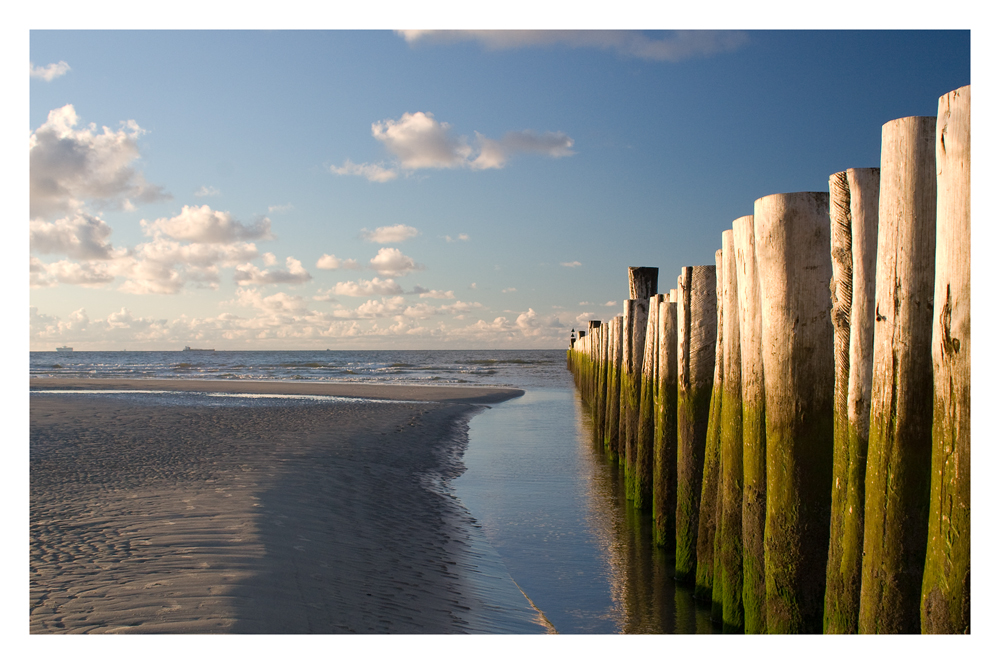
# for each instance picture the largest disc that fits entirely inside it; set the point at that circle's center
(370, 189)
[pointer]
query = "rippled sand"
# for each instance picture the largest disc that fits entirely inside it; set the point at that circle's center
(283, 517)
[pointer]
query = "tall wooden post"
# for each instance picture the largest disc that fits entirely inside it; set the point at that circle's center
(753, 425)
(601, 402)
(792, 239)
(708, 510)
(641, 286)
(642, 488)
(897, 477)
(696, 335)
(611, 442)
(727, 583)
(853, 243)
(946, 583)
(665, 441)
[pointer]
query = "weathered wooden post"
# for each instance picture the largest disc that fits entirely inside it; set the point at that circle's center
(696, 334)
(897, 477)
(611, 442)
(641, 286)
(792, 241)
(727, 582)
(601, 403)
(754, 433)
(708, 510)
(593, 348)
(665, 440)
(642, 493)
(946, 583)
(853, 243)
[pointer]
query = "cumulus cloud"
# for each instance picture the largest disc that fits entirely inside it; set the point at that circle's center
(366, 288)
(372, 172)
(331, 262)
(279, 302)
(612, 303)
(165, 267)
(69, 168)
(391, 262)
(80, 236)
(90, 274)
(417, 141)
(531, 324)
(436, 294)
(249, 273)
(669, 46)
(572, 264)
(389, 234)
(48, 72)
(205, 225)
(280, 208)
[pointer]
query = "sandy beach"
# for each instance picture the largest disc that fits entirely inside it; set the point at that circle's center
(152, 516)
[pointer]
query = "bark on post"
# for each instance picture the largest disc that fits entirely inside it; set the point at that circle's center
(727, 583)
(853, 242)
(708, 510)
(696, 333)
(753, 424)
(792, 238)
(897, 477)
(665, 441)
(946, 584)
(614, 389)
(642, 489)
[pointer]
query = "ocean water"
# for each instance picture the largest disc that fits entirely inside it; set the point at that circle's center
(550, 505)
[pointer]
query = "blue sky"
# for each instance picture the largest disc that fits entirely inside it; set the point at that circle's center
(375, 189)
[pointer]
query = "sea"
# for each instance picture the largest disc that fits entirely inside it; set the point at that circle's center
(548, 501)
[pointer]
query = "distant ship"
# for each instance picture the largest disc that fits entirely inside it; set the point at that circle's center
(64, 349)
(199, 350)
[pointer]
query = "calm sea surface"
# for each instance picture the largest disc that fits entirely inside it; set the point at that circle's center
(549, 503)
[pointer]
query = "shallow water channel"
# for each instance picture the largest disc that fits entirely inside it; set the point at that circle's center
(554, 509)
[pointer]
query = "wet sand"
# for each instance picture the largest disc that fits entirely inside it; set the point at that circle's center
(153, 516)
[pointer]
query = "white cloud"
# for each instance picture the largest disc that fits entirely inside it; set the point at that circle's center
(389, 234)
(509, 290)
(287, 207)
(533, 325)
(612, 303)
(331, 262)
(206, 190)
(373, 172)
(165, 267)
(249, 273)
(496, 153)
(205, 225)
(81, 236)
(48, 72)
(670, 46)
(572, 264)
(437, 294)
(365, 288)
(67, 272)
(279, 302)
(462, 237)
(69, 168)
(473, 286)
(391, 262)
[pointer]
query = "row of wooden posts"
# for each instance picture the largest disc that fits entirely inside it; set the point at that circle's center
(796, 417)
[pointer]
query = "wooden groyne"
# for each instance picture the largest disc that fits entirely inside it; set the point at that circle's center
(795, 419)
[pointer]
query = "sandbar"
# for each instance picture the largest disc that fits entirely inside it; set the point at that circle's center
(282, 517)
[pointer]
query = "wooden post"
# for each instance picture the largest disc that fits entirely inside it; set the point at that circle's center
(727, 582)
(897, 477)
(946, 583)
(792, 240)
(853, 242)
(696, 335)
(642, 488)
(601, 403)
(708, 510)
(611, 442)
(665, 441)
(753, 425)
(641, 286)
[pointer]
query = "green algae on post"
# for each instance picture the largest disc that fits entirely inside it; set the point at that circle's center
(665, 439)
(897, 476)
(727, 583)
(634, 317)
(945, 604)
(708, 509)
(754, 434)
(853, 239)
(696, 335)
(642, 488)
(792, 239)
(611, 443)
